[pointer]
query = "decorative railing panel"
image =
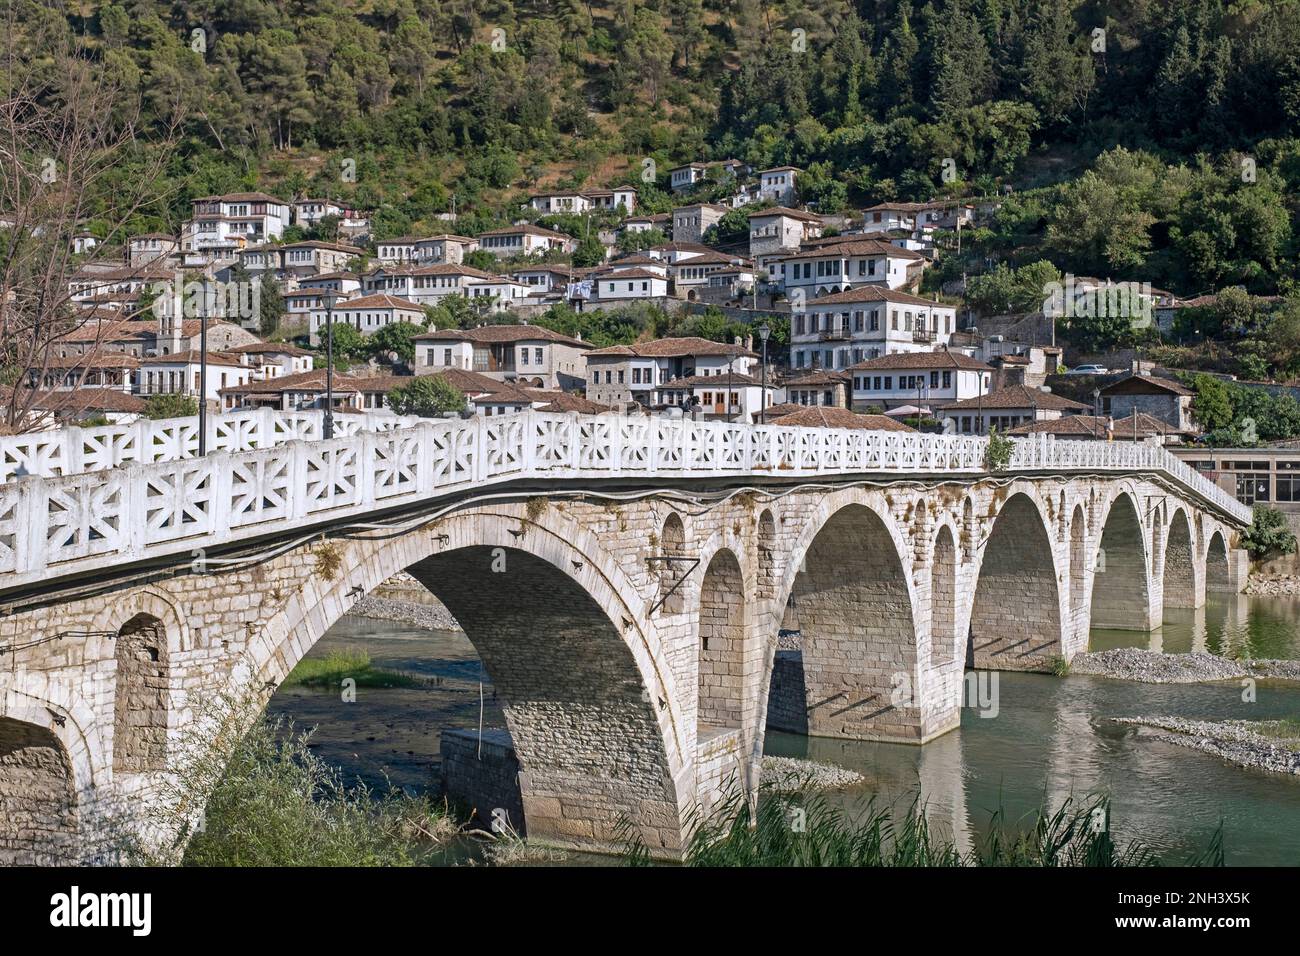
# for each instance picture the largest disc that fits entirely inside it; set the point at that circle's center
(140, 493)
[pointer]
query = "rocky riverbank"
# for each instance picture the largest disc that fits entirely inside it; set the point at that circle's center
(435, 617)
(1271, 745)
(1273, 585)
(1156, 667)
(787, 775)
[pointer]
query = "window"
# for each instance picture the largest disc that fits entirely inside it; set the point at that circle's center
(446, 356)
(537, 356)
(523, 356)
(1288, 481)
(947, 379)
(620, 377)
(1252, 488)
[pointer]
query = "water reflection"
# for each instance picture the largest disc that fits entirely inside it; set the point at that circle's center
(1052, 740)
(1229, 625)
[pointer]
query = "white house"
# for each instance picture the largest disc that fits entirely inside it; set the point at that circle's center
(222, 225)
(834, 267)
(692, 273)
(635, 373)
(346, 282)
(634, 283)
(424, 285)
(308, 212)
(524, 240)
(504, 293)
(400, 249)
(662, 221)
(1006, 408)
(841, 329)
(730, 396)
(366, 314)
(270, 360)
(181, 374)
(300, 303)
(445, 248)
(778, 185)
(309, 258)
(918, 378)
(684, 177)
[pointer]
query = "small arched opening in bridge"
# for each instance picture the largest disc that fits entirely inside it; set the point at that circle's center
(943, 599)
(672, 548)
(1120, 594)
(1015, 620)
(142, 696)
(721, 646)
(38, 818)
(858, 631)
(1180, 564)
(1217, 577)
(1078, 560)
(968, 531)
(766, 554)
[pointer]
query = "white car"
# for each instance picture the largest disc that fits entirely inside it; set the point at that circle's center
(1088, 370)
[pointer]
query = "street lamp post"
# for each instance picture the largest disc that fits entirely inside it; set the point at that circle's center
(203, 371)
(764, 331)
(329, 364)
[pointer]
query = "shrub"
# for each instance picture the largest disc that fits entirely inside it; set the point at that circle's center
(426, 395)
(997, 454)
(1268, 534)
(170, 406)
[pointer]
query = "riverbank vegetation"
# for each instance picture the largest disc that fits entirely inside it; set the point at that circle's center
(809, 831)
(333, 668)
(278, 804)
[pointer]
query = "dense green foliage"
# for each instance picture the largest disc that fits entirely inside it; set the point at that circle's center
(1236, 416)
(426, 395)
(170, 405)
(1269, 533)
(1162, 148)
(277, 804)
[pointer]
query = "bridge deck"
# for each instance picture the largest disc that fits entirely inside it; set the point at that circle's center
(74, 501)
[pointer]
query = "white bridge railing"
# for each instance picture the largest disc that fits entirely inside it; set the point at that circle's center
(73, 450)
(272, 476)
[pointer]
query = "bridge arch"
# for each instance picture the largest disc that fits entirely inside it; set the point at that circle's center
(943, 597)
(1179, 571)
(1121, 589)
(1015, 617)
(1216, 564)
(720, 645)
(856, 615)
(591, 704)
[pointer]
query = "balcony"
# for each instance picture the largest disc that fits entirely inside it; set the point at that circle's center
(833, 335)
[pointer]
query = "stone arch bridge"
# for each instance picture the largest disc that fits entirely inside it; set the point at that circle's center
(623, 579)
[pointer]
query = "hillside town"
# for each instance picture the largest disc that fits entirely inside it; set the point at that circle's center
(182, 315)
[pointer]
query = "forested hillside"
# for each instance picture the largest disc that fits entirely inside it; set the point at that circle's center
(1143, 140)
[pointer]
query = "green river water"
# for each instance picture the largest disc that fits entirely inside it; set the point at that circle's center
(1051, 737)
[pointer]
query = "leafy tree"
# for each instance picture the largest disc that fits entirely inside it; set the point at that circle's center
(1212, 404)
(397, 337)
(1269, 533)
(427, 396)
(170, 405)
(349, 344)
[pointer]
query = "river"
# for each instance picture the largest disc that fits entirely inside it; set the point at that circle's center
(1050, 738)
